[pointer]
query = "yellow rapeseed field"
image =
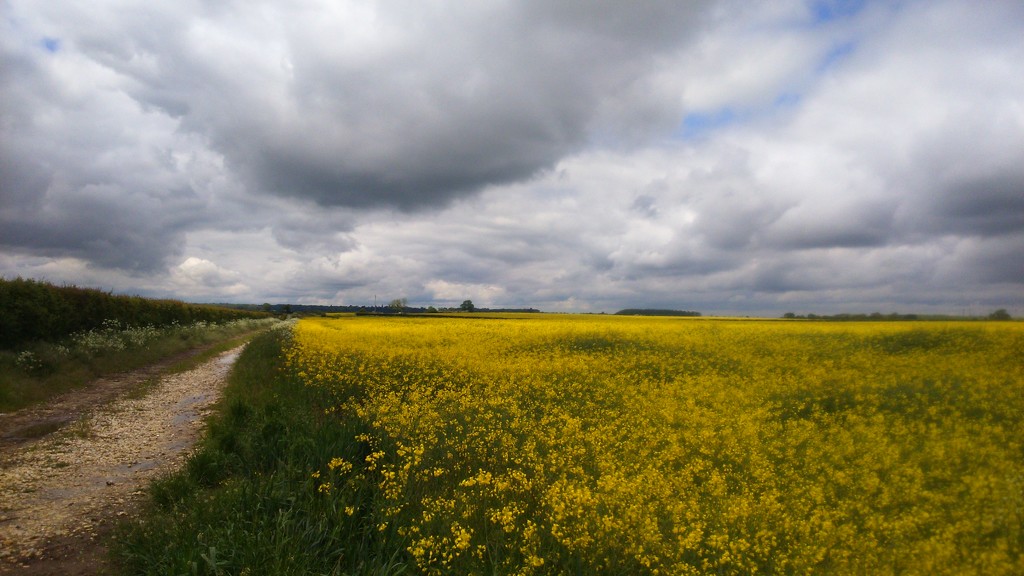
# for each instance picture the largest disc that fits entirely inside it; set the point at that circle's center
(549, 444)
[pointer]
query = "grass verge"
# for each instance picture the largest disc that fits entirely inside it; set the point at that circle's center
(246, 502)
(54, 368)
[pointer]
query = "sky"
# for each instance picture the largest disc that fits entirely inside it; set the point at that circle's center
(728, 157)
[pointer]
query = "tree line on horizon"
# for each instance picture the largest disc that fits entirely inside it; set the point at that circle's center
(396, 306)
(655, 312)
(1000, 314)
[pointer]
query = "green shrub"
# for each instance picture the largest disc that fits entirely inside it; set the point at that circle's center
(31, 310)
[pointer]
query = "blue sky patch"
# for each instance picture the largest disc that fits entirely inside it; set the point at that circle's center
(828, 10)
(697, 124)
(788, 100)
(51, 45)
(838, 53)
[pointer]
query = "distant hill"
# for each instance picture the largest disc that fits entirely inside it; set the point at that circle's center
(655, 312)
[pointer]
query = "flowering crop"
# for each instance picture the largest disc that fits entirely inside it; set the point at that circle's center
(584, 444)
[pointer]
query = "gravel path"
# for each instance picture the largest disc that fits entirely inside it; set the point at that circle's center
(61, 493)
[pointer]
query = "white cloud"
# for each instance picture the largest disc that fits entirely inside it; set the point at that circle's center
(483, 295)
(527, 154)
(199, 278)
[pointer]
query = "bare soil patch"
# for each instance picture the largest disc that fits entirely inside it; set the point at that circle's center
(71, 468)
(35, 422)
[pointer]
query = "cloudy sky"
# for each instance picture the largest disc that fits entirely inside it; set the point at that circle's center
(721, 156)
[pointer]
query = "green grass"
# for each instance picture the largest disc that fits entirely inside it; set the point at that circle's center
(52, 369)
(246, 503)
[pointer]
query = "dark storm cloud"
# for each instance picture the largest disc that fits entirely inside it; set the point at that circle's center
(1001, 263)
(404, 104)
(23, 181)
(85, 173)
(681, 265)
(645, 206)
(990, 205)
(102, 224)
(862, 224)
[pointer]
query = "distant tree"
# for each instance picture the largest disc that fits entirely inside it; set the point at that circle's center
(789, 315)
(655, 312)
(431, 309)
(266, 307)
(467, 306)
(1000, 314)
(287, 308)
(398, 304)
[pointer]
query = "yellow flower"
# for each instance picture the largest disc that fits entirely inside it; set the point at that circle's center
(681, 446)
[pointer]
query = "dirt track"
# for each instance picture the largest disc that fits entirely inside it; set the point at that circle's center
(62, 492)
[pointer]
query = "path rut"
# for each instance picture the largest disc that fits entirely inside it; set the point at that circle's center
(61, 494)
